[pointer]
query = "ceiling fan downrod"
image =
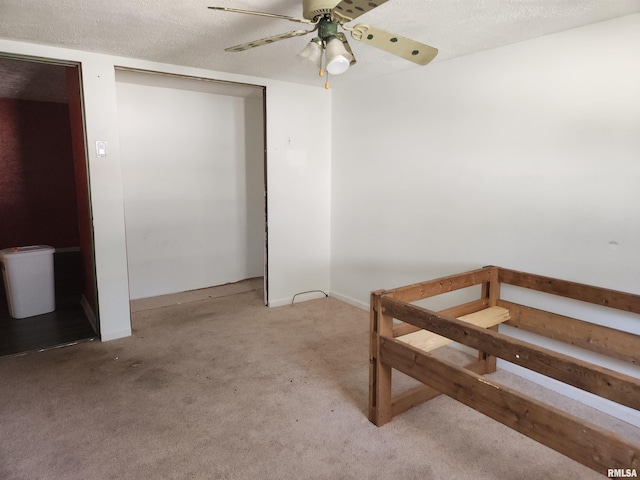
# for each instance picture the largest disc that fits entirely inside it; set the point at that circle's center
(327, 29)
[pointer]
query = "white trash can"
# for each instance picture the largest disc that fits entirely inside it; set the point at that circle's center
(28, 280)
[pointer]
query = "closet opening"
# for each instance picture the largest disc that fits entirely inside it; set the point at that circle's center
(194, 178)
(45, 201)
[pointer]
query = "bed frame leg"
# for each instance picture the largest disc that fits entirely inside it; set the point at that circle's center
(379, 374)
(490, 362)
(491, 294)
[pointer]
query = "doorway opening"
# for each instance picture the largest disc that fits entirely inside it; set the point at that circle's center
(44, 197)
(194, 180)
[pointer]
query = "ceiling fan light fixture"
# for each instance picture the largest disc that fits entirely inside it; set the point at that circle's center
(338, 59)
(330, 48)
(313, 52)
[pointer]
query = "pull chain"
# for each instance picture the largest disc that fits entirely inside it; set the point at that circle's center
(326, 83)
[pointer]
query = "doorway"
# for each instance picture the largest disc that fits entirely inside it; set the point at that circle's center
(193, 166)
(44, 197)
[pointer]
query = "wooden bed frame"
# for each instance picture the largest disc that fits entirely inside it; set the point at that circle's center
(404, 345)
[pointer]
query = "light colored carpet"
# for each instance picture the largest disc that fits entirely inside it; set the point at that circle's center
(226, 388)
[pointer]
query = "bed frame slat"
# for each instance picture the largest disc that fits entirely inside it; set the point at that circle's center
(427, 341)
(628, 302)
(589, 336)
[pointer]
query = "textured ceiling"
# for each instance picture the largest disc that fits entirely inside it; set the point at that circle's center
(187, 33)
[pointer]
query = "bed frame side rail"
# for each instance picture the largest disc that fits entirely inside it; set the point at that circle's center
(582, 441)
(627, 302)
(604, 382)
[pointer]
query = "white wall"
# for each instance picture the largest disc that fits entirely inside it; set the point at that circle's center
(526, 156)
(193, 185)
(298, 188)
(299, 193)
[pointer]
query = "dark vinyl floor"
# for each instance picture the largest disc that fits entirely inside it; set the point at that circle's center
(68, 324)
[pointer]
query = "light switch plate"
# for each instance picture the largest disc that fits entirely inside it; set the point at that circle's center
(101, 148)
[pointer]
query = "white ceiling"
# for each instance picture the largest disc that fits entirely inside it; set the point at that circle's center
(187, 33)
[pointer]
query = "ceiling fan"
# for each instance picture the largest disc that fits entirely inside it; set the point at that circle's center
(329, 49)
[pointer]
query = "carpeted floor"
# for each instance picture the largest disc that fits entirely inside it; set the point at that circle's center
(226, 388)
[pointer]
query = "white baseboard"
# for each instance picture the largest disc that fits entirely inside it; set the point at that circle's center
(105, 337)
(279, 303)
(299, 297)
(349, 300)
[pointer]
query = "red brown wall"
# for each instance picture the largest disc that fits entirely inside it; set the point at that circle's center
(37, 184)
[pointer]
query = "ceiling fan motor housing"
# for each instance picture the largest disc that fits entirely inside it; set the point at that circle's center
(312, 9)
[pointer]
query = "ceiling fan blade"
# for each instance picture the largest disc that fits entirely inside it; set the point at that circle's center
(406, 48)
(350, 9)
(261, 14)
(268, 40)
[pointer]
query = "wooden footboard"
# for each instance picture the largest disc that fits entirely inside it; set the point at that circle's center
(406, 346)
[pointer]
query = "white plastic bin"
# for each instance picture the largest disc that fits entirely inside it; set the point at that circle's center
(28, 280)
